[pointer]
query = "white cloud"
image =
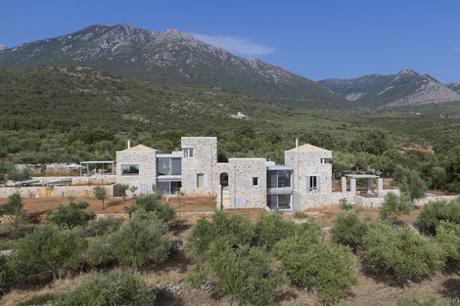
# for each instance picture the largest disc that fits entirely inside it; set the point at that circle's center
(238, 45)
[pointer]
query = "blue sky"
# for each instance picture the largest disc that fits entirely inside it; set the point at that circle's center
(317, 39)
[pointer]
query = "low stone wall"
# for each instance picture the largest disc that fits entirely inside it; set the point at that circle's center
(57, 191)
(377, 202)
(81, 180)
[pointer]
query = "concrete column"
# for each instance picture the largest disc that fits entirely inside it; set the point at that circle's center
(380, 186)
(369, 185)
(343, 180)
(353, 185)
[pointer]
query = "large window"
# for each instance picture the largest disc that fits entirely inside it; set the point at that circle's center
(130, 169)
(169, 165)
(279, 201)
(279, 178)
(188, 152)
(172, 187)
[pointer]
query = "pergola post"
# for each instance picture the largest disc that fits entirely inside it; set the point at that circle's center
(353, 185)
(379, 186)
(343, 180)
(369, 185)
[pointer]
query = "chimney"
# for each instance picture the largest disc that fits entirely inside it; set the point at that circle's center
(129, 143)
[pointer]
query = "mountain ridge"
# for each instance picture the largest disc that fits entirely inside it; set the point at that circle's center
(170, 57)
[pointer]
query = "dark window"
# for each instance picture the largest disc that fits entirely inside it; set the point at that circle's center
(188, 152)
(255, 181)
(279, 201)
(279, 178)
(224, 179)
(132, 169)
(326, 160)
(169, 165)
(169, 187)
(312, 183)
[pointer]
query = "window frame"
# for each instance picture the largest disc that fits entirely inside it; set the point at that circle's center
(187, 152)
(130, 174)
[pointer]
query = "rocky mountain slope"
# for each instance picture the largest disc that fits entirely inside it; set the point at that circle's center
(454, 86)
(406, 88)
(170, 57)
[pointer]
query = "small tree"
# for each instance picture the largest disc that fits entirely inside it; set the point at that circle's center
(140, 243)
(246, 274)
(74, 214)
(133, 190)
(48, 248)
(448, 237)
(393, 206)
(100, 193)
(270, 228)
(120, 189)
(435, 212)
(13, 206)
(348, 230)
(413, 185)
(152, 203)
(344, 205)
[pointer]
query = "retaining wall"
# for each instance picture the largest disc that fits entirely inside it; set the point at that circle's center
(57, 191)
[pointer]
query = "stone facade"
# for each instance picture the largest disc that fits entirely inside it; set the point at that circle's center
(145, 158)
(310, 161)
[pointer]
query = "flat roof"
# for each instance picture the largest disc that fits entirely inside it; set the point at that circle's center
(97, 162)
(279, 167)
(359, 176)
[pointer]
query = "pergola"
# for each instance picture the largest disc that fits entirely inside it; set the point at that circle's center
(368, 177)
(86, 164)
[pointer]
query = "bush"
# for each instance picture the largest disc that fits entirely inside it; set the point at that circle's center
(13, 206)
(393, 206)
(114, 288)
(231, 226)
(152, 203)
(40, 299)
(48, 248)
(196, 276)
(140, 243)
(72, 215)
(448, 237)
(271, 228)
(400, 252)
(7, 274)
(99, 253)
(434, 212)
(245, 273)
(100, 193)
(119, 190)
(345, 205)
(347, 229)
(103, 226)
(322, 267)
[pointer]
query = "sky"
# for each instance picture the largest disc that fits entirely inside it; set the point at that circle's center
(317, 39)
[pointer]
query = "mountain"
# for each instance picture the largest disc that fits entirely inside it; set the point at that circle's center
(64, 97)
(454, 86)
(170, 57)
(406, 88)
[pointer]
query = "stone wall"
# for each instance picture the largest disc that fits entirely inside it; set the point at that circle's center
(81, 180)
(203, 162)
(57, 191)
(146, 159)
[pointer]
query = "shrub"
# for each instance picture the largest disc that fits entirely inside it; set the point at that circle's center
(345, 205)
(393, 206)
(103, 226)
(152, 203)
(270, 228)
(322, 267)
(231, 226)
(114, 288)
(245, 273)
(448, 237)
(196, 276)
(347, 229)
(434, 212)
(140, 243)
(400, 252)
(7, 274)
(72, 215)
(13, 206)
(99, 252)
(100, 193)
(48, 248)
(119, 190)
(40, 299)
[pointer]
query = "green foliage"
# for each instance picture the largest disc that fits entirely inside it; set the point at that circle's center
(400, 252)
(322, 267)
(434, 212)
(152, 203)
(348, 230)
(374, 142)
(99, 252)
(113, 288)
(48, 248)
(394, 206)
(344, 205)
(246, 273)
(141, 243)
(426, 301)
(72, 215)
(103, 226)
(7, 274)
(13, 206)
(100, 193)
(270, 228)
(93, 136)
(119, 190)
(232, 227)
(40, 299)
(196, 276)
(448, 237)
(438, 177)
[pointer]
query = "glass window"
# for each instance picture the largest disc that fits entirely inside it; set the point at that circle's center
(255, 181)
(163, 166)
(312, 183)
(284, 178)
(130, 169)
(272, 201)
(326, 160)
(164, 187)
(176, 165)
(188, 152)
(175, 187)
(284, 201)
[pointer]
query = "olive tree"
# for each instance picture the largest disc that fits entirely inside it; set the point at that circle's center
(394, 206)
(100, 193)
(72, 215)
